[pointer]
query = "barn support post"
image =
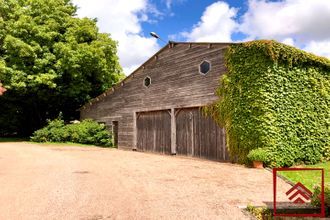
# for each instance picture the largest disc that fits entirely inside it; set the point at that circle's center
(173, 132)
(134, 132)
(192, 134)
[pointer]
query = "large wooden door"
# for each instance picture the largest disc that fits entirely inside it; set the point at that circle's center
(154, 131)
(199, 136)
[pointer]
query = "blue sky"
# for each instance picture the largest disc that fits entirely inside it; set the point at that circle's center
(301, 23)
(182, 15)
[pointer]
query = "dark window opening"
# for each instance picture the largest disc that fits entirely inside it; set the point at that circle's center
(147, 81)
(204, 67)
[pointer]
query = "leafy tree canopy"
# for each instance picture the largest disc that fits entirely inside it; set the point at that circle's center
(50, 61)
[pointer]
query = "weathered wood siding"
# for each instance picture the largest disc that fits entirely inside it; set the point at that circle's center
(199, 136)
(154, 131)
(175, 83)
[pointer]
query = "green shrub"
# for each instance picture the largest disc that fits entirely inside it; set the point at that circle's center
(326, 153)
(258, 154)
(53, 132)
(316, 197)
(275, 97)
(260, 213)
(85, 132)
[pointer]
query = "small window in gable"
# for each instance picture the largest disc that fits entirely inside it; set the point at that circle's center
(204, 67)
(147, 81)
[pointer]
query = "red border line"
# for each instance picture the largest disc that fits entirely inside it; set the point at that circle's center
(295, 168)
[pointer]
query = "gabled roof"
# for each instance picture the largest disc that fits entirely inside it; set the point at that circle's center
(170, 44)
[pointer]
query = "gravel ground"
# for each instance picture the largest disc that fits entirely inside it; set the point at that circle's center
(57, 182)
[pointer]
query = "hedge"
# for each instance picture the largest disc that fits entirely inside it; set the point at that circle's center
(274, 97)
(316, 197)
(85, 132)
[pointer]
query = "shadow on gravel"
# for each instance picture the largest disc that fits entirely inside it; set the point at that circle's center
(81, 172)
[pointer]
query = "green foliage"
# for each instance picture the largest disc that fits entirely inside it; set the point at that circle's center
(260, 213)
(326, 152)
(85, 132)
(50, 61)
(54, 132)
(316, 197)
(258, 154)
(275, 97)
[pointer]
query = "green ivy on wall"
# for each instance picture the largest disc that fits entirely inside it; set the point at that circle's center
(274, 97)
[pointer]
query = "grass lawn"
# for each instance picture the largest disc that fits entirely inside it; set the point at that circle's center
(63, 144)
(15, 139)
(309, 178)
(12, 139)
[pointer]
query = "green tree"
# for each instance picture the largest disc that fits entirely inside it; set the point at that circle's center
(50, 61)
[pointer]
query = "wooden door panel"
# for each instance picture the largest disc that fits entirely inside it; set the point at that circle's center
(199, 136)
(154, 131)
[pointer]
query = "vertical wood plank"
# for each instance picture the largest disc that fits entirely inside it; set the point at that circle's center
(154, 132)
(199, 136)
(192, 133)
(173, 132)
(134, 131)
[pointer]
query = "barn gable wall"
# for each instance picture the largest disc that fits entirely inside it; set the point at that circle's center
(175, 83)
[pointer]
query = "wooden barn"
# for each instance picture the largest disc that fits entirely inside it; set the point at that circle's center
(157, 107)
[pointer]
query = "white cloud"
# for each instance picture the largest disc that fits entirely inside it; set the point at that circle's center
(321, 48)
(305, 24)
(217, 24)
(299, 19)
(288, 41)
(170, 3)
(122, 19)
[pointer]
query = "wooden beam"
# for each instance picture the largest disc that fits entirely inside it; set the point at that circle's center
(173, 132)
(177, 112)
(134, 131)
(192, 134)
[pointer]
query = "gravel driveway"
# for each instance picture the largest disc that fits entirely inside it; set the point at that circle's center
(52, 182)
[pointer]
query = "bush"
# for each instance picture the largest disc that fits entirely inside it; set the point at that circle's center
(260, 213)
(86, 132)
(316, 198)
(326, 153)
(53, 132)
(258, 154)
